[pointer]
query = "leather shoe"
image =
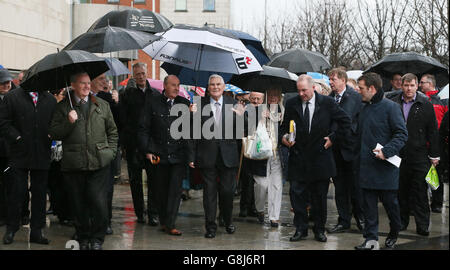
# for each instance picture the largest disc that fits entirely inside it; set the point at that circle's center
(84, 245)
(140, 220)
(153, 221)
(175, 232)
(210, 234)
(338, 229)
(38, 238)
(422, 232)
(298, 235)
(436, 210)
(274, 224)
(8, 238)
(109, 230)
(390, 241)
(96, 245)
(368, 245)
(230, 229)
(320, 237)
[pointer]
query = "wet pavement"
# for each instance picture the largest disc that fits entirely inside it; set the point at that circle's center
(249, 235)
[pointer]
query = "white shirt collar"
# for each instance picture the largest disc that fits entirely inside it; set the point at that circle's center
(311, 101)
(213, 101)
(77, 99)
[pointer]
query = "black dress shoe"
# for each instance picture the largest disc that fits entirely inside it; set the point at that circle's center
(38, 238)
(210, 234)
(8, 238)
(274, 224)
(84, 245)
(339, 228)
(298, 235)
(109, 230)
(436, 210)
(320, 237)
(422, 232)
(230, 229)
(390, 241)
(153, 221)
(96, 245)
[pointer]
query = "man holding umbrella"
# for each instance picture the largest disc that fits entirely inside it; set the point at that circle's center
(89, 138)
(24, 123)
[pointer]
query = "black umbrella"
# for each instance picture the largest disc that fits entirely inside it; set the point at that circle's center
(300, 61)
(134, 19)
(410, 62)
(268, 78)
(54, 70)
(111, 39)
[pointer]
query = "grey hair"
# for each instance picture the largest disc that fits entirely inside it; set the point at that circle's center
(215, 76)
(140, 64)
(308, 78)
(74, 77)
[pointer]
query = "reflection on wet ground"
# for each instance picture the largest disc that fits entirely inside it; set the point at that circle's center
(129, 235)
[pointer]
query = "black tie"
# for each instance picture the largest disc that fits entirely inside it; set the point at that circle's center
(306, 116)
(338, 98)
(169, 103)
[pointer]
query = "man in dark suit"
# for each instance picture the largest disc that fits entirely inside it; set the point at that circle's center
(311, 162)
(131, 105)
(156, 141)
(420, 151)
(24, 123)
(217, 155)
(347, 191)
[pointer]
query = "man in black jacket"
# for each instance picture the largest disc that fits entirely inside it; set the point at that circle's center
(217, 156)
(24, 123)
(131, 106)
(421, 150)
(156, 141)
(347, 191)
(311, 162)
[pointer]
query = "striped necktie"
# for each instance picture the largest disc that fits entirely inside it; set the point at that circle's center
(34, 96)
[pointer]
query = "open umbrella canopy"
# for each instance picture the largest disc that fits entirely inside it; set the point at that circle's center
(116, 67)
(268, 78)
(300, 61)
(410, 62)
(189, 76)
(111, 39)
(354, 74)
(134, 19)
(54, 70)
(203, 49)
(443, 94)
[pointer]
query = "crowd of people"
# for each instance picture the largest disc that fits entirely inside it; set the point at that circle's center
(69, 146)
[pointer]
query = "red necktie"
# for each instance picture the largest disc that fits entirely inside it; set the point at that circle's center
(34, 95)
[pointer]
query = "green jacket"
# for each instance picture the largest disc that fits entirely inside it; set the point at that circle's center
(90, 144)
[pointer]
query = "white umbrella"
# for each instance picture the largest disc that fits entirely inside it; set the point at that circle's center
(354, 74)
(203, 48)
(443, 94)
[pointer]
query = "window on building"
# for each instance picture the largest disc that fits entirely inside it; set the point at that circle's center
(139, 1)
(180, 5)
(113, 1)
(209, 5)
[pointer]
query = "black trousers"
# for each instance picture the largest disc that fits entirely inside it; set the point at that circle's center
(17, 189)
(60, 195)
(413, 194)
(110, 188)
(135, 164)
(168, 182)
(247, 200)
(224, 188)
(389, 198)
(437, 196)
(347, 191)
(3, 181)
(89, 202)
(318, 190)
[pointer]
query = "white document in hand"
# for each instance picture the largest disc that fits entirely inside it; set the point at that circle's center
(394, 160)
